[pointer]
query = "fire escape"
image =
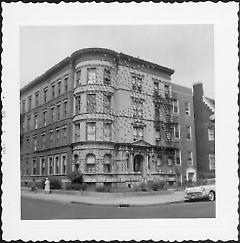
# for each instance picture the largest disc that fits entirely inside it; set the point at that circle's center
(164, 120)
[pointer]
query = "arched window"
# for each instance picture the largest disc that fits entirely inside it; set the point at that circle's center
(90, 163)
(107, 163)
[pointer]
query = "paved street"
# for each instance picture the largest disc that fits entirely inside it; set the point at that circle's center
(39, 209)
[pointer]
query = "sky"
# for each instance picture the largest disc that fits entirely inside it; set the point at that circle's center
(188, 49)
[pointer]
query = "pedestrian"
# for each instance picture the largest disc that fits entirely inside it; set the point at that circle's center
(34, 186)
(47, 186)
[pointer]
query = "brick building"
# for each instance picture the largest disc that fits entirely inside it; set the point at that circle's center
(116, 118)
(204, 109)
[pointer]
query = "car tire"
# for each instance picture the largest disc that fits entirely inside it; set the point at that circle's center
(211, 196)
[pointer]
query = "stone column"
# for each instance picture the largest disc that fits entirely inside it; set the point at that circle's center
(131, 162)
(145, 162)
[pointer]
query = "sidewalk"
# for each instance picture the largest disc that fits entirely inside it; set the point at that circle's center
(109, 199)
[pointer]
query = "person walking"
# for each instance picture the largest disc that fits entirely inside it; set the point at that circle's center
(47, 186)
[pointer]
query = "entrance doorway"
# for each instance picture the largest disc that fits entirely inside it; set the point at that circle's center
(138, 163)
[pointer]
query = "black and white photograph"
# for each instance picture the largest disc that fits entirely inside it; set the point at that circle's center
(116, 123)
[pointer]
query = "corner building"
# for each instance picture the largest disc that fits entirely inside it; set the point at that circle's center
(126, 122)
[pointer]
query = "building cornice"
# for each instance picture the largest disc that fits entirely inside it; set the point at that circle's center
(102, 51)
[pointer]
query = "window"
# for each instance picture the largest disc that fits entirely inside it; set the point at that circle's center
(43, 141)
(34, 167)
(35, 121)
(167, 90)
(90, 163)
(57, 165)
(211, 134)
(29, 103)
(59, 87)
(190, 161)
(106, 103)
(51, 138)
(175, 106)
(178, 157)
(50, 164)
(57, 136)
(107, 76)
(137, 108)
(91, 103)
(159, 164)
(137, 82)
(35, 143)
(64, 164)
(107, 163)
(177, 131)
(58, 112)
(65, 105)
(78, 77)
(53, 90)
(188, 128)
(187, 108)
(156, 86)
(92, 75)
(52, 113)
(91, 131)
(77, 132)
(44, 118)
(27, 165)
(78, 104)
(107, 131)
(42, 167)
(45, 95)
(137, 133)
(37, 99)
(66, 84)
(211, 159)
(158, 135)
(27, 145)
(28, 123)
(23, 106)
(170, 161)
(64, 135)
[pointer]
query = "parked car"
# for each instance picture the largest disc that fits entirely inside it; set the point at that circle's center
(205, 189)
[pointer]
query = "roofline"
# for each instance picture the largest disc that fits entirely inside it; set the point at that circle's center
(48, 73)
(80, 52)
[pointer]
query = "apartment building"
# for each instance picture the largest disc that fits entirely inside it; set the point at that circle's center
(204, 109)
(119, 121)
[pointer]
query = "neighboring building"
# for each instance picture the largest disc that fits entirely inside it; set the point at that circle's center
(204, 109)
(116, 118)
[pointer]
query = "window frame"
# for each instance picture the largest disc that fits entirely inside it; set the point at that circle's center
(187, 108)
(177, 107)
(211, 135)
(87, 131)
(177, 130)
(190, 132)
(95, 77)
(188, 161)
(110, 131)
(93, 104)
(211, 161)
(176, 157)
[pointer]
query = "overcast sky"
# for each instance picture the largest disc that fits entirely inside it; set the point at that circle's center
(188, 49)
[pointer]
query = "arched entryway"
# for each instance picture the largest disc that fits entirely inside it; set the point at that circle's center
(138, 163)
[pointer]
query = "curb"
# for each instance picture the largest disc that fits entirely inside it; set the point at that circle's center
(125, 205)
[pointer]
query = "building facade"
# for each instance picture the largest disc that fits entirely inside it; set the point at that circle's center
(116, 118)
(204, 109)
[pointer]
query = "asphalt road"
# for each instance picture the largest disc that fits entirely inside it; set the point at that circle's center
(40, 210)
